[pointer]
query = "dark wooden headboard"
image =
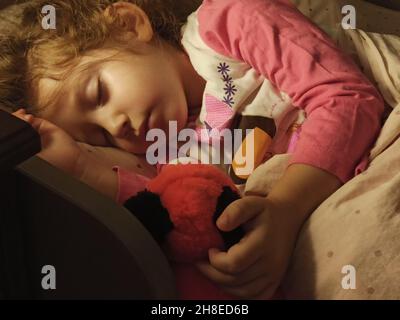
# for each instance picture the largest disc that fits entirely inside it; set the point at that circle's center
(98, 248)
(390, 4)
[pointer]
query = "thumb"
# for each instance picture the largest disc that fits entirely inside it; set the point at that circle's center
(237, 213)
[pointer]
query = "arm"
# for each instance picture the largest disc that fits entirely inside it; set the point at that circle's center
(254, 267)
(343, 108)
(343, 118)
(63, 152)
(302, 189)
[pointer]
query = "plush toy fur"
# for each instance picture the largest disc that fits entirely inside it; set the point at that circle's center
(180, 207)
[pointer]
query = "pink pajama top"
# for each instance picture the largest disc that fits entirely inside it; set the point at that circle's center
(263, 57)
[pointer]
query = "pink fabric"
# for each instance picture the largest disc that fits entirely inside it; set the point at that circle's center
(293, 140)
(219, 114)
(343, 108)
(129, 184)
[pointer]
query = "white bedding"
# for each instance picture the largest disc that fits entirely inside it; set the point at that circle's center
(359, 225)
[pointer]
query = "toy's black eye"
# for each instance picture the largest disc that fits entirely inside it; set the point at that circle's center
(225, 199)
(147, 207)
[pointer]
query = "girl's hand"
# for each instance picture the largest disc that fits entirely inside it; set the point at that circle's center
(254, 267)
(58, 148)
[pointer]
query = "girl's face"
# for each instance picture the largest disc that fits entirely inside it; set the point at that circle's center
(115, 102)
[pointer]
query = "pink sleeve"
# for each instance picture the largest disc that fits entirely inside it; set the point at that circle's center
(129, 184)
(343, 108)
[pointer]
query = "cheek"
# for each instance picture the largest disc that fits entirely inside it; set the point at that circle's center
(182, 116)
(177, 108)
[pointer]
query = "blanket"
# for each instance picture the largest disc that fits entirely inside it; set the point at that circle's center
(348, 248)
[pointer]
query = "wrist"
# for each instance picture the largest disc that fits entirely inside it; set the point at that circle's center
(288, 211)
(302, 189)
(287, 221)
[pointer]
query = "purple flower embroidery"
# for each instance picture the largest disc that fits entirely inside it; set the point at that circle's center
(228, 100)
(230, 89)
(223, 68)
(226, 78)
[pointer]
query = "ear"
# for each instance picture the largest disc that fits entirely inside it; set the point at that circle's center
(134, 20)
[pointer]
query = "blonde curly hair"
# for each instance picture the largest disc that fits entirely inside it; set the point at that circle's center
(30, 53)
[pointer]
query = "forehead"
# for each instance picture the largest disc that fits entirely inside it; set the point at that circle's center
(51, 90)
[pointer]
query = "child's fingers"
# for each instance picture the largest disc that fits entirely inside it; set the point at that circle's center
(24, 116)
(237, 213)
(217, 276)
(226, 279)
(42, 126)
(253, 193)
(241, 255)
(28, 118)
(19, 111)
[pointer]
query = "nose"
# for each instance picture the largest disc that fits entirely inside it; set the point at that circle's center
(118, 125)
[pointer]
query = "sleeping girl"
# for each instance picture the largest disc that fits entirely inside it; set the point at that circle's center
(111, 71)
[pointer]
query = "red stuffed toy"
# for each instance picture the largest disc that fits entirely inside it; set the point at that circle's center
(180, 207)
